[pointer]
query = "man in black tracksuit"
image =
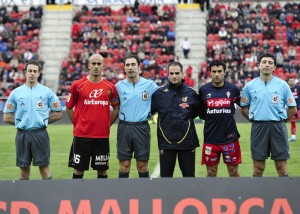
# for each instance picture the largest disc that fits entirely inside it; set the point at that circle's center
(177, 105)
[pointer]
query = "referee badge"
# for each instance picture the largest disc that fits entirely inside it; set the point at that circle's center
(56, 104)
(40, 104)
(244, 100)
(290, 100)
(275, 99)
(9, 106)
(145, 96)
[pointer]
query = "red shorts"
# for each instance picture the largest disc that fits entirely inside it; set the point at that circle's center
(231, 152)
(297, 115)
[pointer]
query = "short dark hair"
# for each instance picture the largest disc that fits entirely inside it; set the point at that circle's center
(32, 63)
(132, 56)
(176, 64)
(290, 77)
(217, 63)
(266, 54)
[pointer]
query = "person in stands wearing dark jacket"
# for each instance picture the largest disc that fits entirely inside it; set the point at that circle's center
(177, 104)
(221, 136)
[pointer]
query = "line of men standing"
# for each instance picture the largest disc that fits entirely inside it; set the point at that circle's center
(134, 100)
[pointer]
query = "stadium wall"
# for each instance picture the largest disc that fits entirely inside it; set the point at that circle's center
(156, 196)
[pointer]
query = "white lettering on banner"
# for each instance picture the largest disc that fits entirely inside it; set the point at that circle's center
(22, 2)
(218, 102)
(96, 102)
(218, 111)
(122, 2)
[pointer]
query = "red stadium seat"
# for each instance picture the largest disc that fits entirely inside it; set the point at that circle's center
(210, 37)
(74, 45)
(80, 45)
(216, 37)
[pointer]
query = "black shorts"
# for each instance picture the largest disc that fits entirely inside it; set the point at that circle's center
(133, 137)
(83, 149)
(32, 145)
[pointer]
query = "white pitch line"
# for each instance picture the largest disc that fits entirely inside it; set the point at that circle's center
(156, 171)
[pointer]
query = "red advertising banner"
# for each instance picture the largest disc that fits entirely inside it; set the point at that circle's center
(156, 196)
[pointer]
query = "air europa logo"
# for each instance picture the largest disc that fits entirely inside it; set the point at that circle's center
(218, 102)
(96, 93)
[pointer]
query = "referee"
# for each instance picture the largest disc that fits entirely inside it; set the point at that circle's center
(263, 103)
(28, 108)
(133, 136)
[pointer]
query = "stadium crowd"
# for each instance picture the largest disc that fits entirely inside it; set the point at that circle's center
(235, 33)
(239, 34)
(19, 43)
(145, 30)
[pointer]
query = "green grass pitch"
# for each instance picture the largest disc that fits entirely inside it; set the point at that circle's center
(61, 139)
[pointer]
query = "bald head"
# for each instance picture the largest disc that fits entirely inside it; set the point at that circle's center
(96, 56)
(96, 65)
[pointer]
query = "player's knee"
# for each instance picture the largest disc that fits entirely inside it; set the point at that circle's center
(233, 171)
(77, 172)
(142, 166)
(212, 172)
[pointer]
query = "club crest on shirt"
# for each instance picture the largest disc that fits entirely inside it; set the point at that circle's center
(69, 97)
(228, 94)
(55, 104)
(40, 104)
(166, 90)
(290, 100)
(208, 95)
(184, 104)
(9, 106)
(275, 99)
(244, 100)
(145, 96)
(95, 93)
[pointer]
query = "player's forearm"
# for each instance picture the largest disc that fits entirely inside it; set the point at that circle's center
(291, 111)
(55, 116)
(245, 112)
(9, 118)
(114, 115)
(70, 114)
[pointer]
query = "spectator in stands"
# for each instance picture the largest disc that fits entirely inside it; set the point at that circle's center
(279, 59)
(171, 35)
(202, 5)
(292, 53)
(222, 33)
(278, 48)
(290, 36)
(32, 141)
(185, 46)
(27, 55)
